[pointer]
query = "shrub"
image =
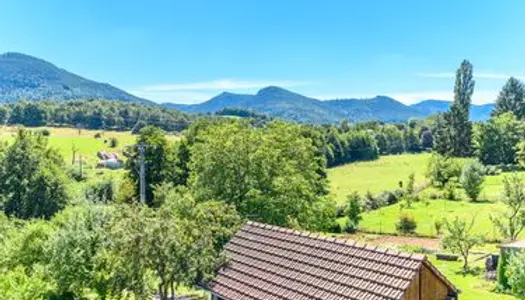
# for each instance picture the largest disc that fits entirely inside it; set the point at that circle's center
(372, 203)
(472, 178)
(98, 135)
(406, 224)
(113, 142)
(516, 274)
(103, 191)
(335, 228)
(434, 196)
(340, 211)
(391, 197)
(74, 172)
(441, 170)
(450, 190)
(353, 212)
(45, 132)
(438, 226)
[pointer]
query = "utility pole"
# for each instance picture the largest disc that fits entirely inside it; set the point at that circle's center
(142, 175)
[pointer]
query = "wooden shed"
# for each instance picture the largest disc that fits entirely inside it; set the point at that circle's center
(274, 263)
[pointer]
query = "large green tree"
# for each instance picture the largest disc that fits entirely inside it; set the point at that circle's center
(496, 140)
(160, 158)
(270, 174)
(456, 136)
(511, 98)
(32, 178)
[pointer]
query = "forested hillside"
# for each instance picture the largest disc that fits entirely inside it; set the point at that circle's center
(23, 77)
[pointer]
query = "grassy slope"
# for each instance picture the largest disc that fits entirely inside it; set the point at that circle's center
(385, 173)
(376, 176)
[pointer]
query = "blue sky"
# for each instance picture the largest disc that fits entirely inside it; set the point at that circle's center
(188, 51)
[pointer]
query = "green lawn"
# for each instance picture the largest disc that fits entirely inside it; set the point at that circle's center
(472, 287)
(376, 176)
(63, 140)
(384, 220)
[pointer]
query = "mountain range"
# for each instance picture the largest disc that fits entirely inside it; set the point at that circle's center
(29, 78)
(284, 104)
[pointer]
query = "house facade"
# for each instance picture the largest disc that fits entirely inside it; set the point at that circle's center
(274, 263)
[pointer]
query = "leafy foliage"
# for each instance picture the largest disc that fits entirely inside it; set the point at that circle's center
(94, 114)
(406, 224)
(512, 222)
(496, 140)
(32, 178)
(472, 178)
(516, 274)
(455, 133)
(511, 99)
(268, 174)
(459, 238)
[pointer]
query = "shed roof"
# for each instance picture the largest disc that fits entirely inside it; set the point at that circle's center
(274, 263)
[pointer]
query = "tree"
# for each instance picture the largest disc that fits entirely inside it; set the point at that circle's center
(32, 178)
(472, 178)
(426, 139)
(78, 261)
(496, 140)
(441, 169)
(511, 99)
(353, 212)
(178, 243)
(515, 273)
(159, 160)
(269, 174)
(455, 137)
(406, 224)
(460, 239)
(512, 222)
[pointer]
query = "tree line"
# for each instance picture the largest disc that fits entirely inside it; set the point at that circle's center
(92, 114)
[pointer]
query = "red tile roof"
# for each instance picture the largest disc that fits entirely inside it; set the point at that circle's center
(274, 263)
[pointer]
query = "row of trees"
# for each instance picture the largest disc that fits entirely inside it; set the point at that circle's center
(107, 251)
(274, 174)
(92, 114)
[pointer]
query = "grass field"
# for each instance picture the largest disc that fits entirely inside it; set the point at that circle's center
(472, 286)
(63, 139)
(376, 176)
(385, 173)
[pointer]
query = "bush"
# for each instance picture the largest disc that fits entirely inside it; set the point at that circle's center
(472, 178)
(340, 211)
(441, 170)
(438, 226)
(372, 203)
(98, 135)
(406, 224)
(74, 172)
(335, 228)
(45, 132)
(516, 274)
(113, 142)
(492, 170)
(450, 190)
(104, 191)
(392, 197)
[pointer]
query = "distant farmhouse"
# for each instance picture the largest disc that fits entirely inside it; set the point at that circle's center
(274, 263)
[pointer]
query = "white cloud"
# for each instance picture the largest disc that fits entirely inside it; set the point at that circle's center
(481, 75)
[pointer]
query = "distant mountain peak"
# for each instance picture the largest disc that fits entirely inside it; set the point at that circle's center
(27, 77)
(272, 90)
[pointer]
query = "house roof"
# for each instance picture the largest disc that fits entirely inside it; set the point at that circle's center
(274, 263)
